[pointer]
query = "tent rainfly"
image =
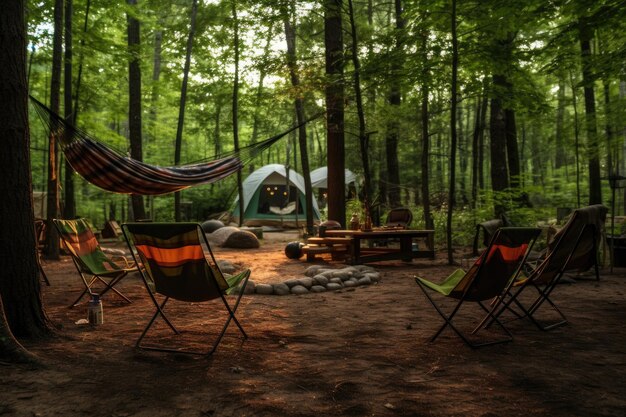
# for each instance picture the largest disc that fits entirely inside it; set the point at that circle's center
(319, 177)
(272, 199)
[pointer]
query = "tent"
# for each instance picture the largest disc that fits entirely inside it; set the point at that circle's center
(319, 177)
(319, 180)
(268, 201)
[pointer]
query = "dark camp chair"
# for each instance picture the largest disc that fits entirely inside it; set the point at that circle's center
(399, 217)
(574, 247)
(81, 243)
(486, 280)
(176, 267)
(488, 228)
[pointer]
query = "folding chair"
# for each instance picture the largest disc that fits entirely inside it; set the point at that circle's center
(486, 280)
(399, 217)
(89, 259)
(575, 247)
(176, 267)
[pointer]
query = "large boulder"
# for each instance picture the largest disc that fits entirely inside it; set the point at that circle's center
(211, 226)
(241, 240)
(219, 236)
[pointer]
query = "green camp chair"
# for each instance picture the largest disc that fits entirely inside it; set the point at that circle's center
(89, 259)
(574, 247)
(176, 267)
(486, 280)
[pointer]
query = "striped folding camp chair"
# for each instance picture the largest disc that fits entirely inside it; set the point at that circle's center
(574, 248)
(486, 280)
(93, 265)
(176, 267)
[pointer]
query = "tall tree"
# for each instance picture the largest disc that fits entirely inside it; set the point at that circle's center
(21, 310)
(235, 105)
(134, 99)
(395, 99)
(69, 206)
(585, 32)
(183, 101)
(290, 36)
(425, 160)
(453, 127)
(364, 136)
(333, 41)
(52, 237)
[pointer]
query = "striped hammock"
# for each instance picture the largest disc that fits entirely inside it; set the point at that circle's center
(112, 171)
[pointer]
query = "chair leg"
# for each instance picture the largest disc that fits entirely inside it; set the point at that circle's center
(448, 322)
(158, 312)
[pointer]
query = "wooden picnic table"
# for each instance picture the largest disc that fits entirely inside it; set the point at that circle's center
(382, 244)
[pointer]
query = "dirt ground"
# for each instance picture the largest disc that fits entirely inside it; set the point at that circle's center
(359, 352)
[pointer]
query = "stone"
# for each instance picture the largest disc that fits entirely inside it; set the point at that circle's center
(350, 283)
(265, 289)
(299, 289)
(250, 287)
(373, 276)
(312, 270)
(340, 273)
(211, 226)
(219, 236)
(226, 267)
(292, 282)
(321, 279)
(281, 289)
(306, 282)
(332, 286)
(336, 281)
(318, 288)
(364, 281)
(241, 240)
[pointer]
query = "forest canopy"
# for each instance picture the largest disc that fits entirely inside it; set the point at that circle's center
(520, 104)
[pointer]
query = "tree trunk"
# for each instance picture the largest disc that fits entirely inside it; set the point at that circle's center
(363, 135)
(21, 309)
(453, 138)
(395, 98)
(475, 153)
(425, 163)
(183, 102)
(512, 151)
(481, 136)
(333, 41)
(235, 106)
(52, 237)
(134, 102)
(290, 36)
(559, 157)
(80, 62)
(69, 206)
(585, 32)
(499, 174)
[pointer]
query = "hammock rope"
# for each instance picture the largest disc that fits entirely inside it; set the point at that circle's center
(112, 171)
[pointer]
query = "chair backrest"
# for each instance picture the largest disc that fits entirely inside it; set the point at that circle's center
(174, 260)
(574, 246)
(83, 246)
(497, 265)
(400, 216)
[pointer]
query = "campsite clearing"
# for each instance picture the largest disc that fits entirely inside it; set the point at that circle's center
(352, 352)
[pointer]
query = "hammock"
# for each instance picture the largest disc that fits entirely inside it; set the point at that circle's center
(112, 171)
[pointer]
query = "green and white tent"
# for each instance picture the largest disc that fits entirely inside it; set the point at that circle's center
(273, 198)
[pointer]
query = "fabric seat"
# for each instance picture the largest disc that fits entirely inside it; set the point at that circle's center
(574, 248)
(485, 280)
(399, 217)
(90, 260)
(176, 267)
